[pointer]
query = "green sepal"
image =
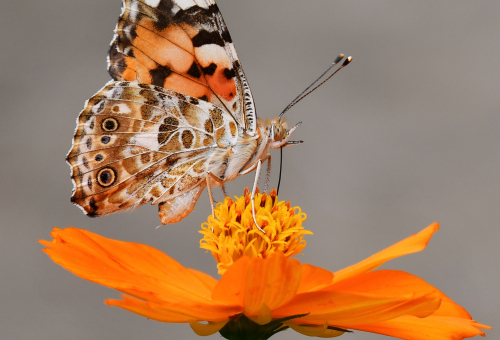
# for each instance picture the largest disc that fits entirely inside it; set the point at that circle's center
(242, 328)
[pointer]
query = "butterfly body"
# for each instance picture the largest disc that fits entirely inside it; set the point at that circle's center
(178, 116)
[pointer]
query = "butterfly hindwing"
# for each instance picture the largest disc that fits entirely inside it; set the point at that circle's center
(175, 209)
(138, 143)
(184, 46)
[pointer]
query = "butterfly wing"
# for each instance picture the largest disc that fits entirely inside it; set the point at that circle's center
(184, 46)
(138, 143)
(175, 209)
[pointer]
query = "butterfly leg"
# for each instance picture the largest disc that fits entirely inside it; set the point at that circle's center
(257, 173)
(268, 172)
(224, 190)
(220, 180)
(253, 167)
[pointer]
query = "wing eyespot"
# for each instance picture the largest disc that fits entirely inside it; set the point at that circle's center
(106, 177)
(110, 124)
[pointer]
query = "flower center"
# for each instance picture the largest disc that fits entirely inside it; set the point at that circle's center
(232, 233)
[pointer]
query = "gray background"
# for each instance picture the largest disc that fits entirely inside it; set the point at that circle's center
(404, 136)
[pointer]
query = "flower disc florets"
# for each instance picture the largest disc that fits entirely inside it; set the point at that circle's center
(232, 233)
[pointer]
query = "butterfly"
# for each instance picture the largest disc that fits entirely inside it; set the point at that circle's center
(178, 115)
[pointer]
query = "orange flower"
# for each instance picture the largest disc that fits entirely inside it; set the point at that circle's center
(265, 295)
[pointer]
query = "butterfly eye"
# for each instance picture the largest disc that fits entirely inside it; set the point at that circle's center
(278, 131)
(106, 177)
(110, 124)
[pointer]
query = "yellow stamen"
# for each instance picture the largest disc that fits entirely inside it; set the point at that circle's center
(233, 234)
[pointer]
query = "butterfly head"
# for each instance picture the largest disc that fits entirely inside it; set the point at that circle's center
(279, 134)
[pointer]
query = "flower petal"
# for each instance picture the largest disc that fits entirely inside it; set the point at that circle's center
(176, 312)
(449, 322)
(272, 281)
(132, 268)
(412, 244)
(316, 331)
(314, 278)
(347, 308)
(386, 283)
(231, 287)
(429, 328)
(367, 298)
(449, 308)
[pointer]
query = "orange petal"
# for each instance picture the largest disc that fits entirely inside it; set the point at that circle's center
(176, 312)
(379, 295)
(347, 308)
(430, 328)
(388, 283)
(450, 308)
(272, 281)
(231, 287)
(412, 244)
(449, 322)
(314, 278)
(133, 268)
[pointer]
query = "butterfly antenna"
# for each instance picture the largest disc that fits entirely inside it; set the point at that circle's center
(281, 167)
(339, 58)
(305, 93)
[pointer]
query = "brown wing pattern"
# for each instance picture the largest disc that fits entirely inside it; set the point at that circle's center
(138, 143)
(184, 46)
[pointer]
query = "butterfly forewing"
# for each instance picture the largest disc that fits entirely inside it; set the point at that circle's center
(138, 143)
(184, 46)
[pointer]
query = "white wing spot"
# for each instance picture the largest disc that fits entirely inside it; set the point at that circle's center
(149, 141)
(134, 10)
(203, 3)
(153, 3)
(123, 109)
(185, 4)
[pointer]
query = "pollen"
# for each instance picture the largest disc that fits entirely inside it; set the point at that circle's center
(232, 233)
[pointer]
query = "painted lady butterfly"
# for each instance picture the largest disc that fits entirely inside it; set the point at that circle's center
(178, 116)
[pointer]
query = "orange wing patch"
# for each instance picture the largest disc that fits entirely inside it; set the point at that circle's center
(183, 47)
